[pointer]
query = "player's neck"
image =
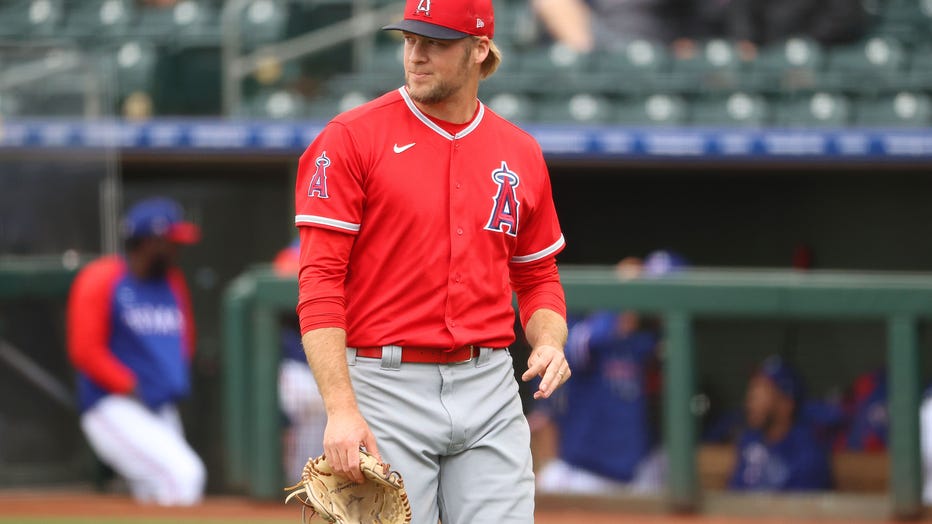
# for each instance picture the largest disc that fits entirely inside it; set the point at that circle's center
(459, 108)
(777, 429)
(139, 266)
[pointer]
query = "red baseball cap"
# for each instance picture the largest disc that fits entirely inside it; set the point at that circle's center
(447, 19)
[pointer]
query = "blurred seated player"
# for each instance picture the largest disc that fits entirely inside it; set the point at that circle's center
(297, 391)
(605, 418)
(131, 338)
(865, 412)
(779, 450)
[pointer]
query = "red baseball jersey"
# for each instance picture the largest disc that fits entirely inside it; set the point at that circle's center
(438, 219)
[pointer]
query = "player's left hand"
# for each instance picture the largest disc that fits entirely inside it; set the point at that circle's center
(549, 363)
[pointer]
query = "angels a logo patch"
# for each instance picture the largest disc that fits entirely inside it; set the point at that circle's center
(318, 185)
(504, 217)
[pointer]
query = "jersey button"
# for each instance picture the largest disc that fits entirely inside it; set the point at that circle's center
(458, 185)
(459, 231)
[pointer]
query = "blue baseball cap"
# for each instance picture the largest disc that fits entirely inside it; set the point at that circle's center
(661, 262)
(783, 376)
(159, 217)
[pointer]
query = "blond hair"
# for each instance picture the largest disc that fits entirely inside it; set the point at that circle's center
(491, 62)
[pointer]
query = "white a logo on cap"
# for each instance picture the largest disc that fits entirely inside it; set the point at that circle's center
(423, 6)
(479, 23)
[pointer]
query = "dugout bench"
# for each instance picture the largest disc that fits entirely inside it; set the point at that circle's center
(254, 300)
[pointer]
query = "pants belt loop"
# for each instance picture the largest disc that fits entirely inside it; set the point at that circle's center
(351, 356)
(485, 354)
(391, 357)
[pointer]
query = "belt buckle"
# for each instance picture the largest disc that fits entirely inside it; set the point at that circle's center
(473, 352)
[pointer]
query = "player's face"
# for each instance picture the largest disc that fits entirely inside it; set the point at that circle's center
(760, 401)
(161, 255)
(436, 70)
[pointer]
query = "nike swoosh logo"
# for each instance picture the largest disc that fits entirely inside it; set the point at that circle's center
(402, 149)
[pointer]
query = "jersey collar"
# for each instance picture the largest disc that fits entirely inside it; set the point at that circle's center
(437, 129)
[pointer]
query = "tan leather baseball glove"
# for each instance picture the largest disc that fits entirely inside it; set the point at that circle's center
(382, 498)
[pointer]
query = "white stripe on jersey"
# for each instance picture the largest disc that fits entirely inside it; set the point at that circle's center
(540, 254)
(430, 123)
(324, 221)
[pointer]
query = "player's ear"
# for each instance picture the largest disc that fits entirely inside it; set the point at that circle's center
(480, 48)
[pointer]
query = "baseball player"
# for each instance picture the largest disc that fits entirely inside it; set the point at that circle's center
(779, 451)
(131, 337)
(611, 403)
(605, 407)
(419, 214)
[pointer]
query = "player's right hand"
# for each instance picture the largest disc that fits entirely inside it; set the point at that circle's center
(345, 433)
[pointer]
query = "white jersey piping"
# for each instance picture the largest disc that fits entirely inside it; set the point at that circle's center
(324, 221)
(540, 254)
(432, 125)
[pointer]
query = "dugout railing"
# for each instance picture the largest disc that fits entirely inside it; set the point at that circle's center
(254, 301)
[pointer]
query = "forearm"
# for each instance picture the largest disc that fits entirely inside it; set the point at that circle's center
(325, 349)
(568, 21)
(546, 327)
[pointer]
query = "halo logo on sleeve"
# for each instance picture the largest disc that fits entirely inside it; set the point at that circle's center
(504, 217)
(318, 185)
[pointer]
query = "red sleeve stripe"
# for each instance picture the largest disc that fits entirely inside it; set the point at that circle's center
(549, 250)
(324, 221)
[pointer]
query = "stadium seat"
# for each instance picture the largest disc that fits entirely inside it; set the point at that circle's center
(920, 69)
(878, 64)
(276, 104)
(904, 20)
(263, 22)
(132, 66)
(515, 24)
(99, 19)
(553, 69)
(818, 110)
(716, 66)
(736, 110)
(30, 18)
(582, 108)
(638, 68)
(326, 107)
(904, 109)
(188, 22)
(9, 104)
(793, 65)
(513, 106)
(381, 71)
(654, 110)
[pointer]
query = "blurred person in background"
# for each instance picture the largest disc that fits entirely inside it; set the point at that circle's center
(298, 395)
(587, 25)
(611, 404)
(130, 333)
(779, 450)
(864, 407)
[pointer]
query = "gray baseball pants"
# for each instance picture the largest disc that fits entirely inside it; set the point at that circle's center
(455, 432)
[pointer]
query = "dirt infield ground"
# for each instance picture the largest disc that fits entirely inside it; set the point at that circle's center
(61, 507)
